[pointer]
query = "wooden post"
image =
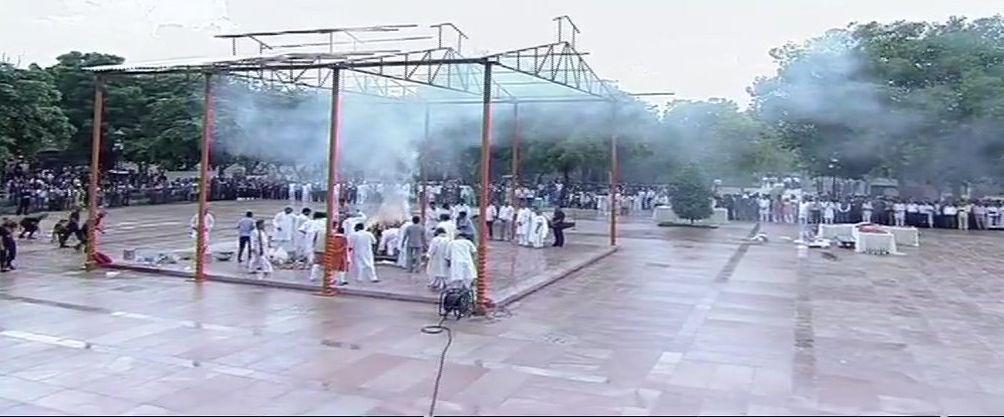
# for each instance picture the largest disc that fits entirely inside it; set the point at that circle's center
(333, 144)
(423, 168)
(202, 245)
(486, 143)
(515, 154)
(92, 188)
(614, 168)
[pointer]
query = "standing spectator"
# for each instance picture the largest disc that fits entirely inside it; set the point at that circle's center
(8, 246)
(950, 215)
(980, 215)
(414, 243)
(245, 227)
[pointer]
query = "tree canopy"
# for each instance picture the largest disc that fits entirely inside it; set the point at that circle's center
(31, 119)
(919, 101)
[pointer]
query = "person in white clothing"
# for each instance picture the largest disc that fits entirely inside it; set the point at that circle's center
(284, 225)
(899, 213)
(538, 229)
(258, 261)
(491, 212)
(964, 209)
(950, 215)
(461, 255)
(355, 219)
(523, 226)
(866, 211)
(980, 215)
(431, 218)
(298, 236)
(829, 212)
(994, 212)
(210, 221)
(803, 211)
(764, 204)
(927, 214)
(361, 249)
(913, 213)
(438, 268)
(504, 222)
(305, 191)
(448, 225)
(389, 241)
(292, 192)
(312, 232)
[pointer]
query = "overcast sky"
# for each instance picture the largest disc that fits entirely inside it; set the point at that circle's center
(695, 48)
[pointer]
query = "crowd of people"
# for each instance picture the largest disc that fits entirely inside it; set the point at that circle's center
(44, 189)
(443, 244)
(963, 214)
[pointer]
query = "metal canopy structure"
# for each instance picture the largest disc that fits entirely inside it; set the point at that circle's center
(402, 62)
(401, 55)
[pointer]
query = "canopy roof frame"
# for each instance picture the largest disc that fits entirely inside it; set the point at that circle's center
(442, 66)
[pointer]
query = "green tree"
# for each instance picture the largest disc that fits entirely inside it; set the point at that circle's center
(76, 87)
(30, 117)
(692, 194)
(915, 100)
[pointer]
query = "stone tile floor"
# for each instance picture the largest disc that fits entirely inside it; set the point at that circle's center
(678, 321)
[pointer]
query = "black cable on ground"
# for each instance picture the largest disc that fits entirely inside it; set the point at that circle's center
(437, 329)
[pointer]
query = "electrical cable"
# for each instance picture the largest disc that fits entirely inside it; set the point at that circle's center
(438, 329)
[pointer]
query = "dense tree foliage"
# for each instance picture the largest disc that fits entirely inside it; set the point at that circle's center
(921, 101)
(30, 117)
(917, 101)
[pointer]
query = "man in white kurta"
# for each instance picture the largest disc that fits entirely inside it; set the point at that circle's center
(350, 223)
(431, 218)
(284, 224)
(437, 267)
(389, 241)
(538, 230)
(194, 224)
(524, 218)
(292, 192)
(361, 251)
(829, 211)
(305, 192)
(899, 213)
(460, 208)
(461, 256)
(258, 261)
(309, 232)
(298, 235)
(448, 225)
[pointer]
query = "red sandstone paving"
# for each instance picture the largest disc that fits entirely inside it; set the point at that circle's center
(650, 329)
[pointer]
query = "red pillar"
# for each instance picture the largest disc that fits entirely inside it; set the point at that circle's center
(486, 142)
(515, 155)
(614, 171)
(333, 144)
(201, 244)
(422, 168)
(92, 188)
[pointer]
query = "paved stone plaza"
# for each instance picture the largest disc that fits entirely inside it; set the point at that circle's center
(677, 321)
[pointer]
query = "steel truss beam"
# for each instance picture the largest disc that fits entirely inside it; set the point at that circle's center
(441, 67)
(558, 63)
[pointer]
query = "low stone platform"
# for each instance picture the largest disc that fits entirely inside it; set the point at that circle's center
(514, 271)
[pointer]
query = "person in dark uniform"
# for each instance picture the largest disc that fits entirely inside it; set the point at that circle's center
(558, 225)
(8, 246)
(24, 200)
